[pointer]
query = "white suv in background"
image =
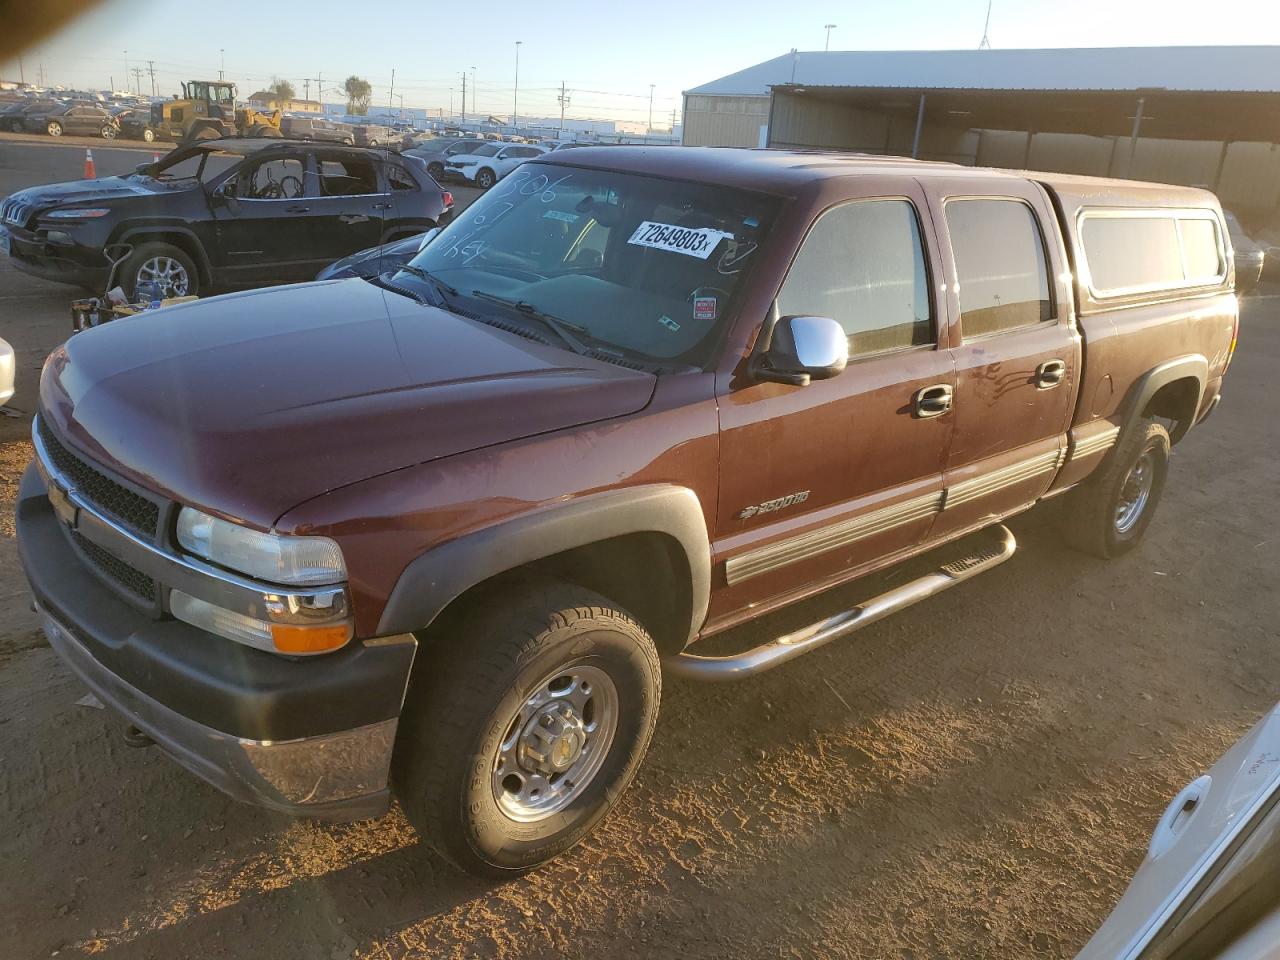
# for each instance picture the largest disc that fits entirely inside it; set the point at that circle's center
(487, 165)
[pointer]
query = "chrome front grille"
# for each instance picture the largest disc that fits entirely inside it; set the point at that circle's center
(137, 513)
(15, 212)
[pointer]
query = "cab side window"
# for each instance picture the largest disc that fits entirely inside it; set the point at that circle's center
(863, 265)
(1001, 269)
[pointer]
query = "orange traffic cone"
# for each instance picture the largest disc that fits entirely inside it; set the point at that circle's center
(155, 157)
(89, 172)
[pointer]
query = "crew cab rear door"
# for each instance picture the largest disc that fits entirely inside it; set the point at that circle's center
(819, 481)
(1014, 338)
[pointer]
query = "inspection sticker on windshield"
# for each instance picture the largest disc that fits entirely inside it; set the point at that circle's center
(692, 242)
(704, 308)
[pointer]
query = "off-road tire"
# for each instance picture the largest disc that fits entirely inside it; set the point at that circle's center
(486, 178)
(1089, 513)
(128, 274)
(477, 667)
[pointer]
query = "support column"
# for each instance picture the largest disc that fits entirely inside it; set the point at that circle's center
(1133, 137)
(915, 142)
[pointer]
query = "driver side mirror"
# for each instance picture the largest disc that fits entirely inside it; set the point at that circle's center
(225, 193)
(800, 349)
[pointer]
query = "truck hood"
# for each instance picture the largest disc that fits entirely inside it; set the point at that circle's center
(250, 404)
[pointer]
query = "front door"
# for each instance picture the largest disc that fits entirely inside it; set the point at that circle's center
(1017, 350)
(262, 222)
(817, 482)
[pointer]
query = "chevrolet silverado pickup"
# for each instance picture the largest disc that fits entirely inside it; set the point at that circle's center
(440, 531)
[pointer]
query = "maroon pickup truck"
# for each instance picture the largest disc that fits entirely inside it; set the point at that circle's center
(438, 532)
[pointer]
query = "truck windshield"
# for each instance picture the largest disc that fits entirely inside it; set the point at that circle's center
(645, 265)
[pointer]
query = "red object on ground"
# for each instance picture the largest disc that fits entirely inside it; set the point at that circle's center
(448, 199)
(89, 172)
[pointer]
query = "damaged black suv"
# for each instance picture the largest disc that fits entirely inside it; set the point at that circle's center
(221, 214)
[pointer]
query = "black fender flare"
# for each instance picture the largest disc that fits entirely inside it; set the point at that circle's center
(1194, 366)
(143, 234)
(432, 581)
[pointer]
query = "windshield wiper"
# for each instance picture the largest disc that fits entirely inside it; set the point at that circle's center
(435, 281)
(384, 280)
(561, 328)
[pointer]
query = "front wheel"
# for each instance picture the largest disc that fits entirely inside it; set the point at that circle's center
(485, 179)
(1108, 514)
(149, 135)
(163, 264)
(525, 722)
(108, 132)
(54, 128)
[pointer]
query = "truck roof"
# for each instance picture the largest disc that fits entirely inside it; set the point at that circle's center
(770, 170)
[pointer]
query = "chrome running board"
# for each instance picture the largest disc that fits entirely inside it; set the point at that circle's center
(791, 645)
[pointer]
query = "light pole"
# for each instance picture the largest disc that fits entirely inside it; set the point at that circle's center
(222, 64)
(451, 103)
(515, 99)
(474, 108)
(829, 28)
(400, 97)
(126, 69)
(649, 129)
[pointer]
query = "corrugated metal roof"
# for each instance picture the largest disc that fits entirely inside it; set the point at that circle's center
(1204, 69)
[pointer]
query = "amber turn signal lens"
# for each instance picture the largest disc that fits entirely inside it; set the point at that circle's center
(293, 639)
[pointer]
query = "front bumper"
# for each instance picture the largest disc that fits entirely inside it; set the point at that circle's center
(64, 263)
(309, 737)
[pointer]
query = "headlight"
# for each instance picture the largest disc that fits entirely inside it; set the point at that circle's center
(272, 557)
(73, 214)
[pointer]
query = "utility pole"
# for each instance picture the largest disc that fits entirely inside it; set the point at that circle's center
(650, 127)
(829, 27)
(564, 102)
(137, 79)
(985, 44)
(464, 96)
(392, 94)
(451, 102)
(306, 88)
(515, 101)
(126, 70)
(474, 108)
(151, 66)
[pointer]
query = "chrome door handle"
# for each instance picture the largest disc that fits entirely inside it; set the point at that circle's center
(1050, 374)
(932, 401)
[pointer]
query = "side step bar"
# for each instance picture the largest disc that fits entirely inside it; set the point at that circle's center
(791, 645)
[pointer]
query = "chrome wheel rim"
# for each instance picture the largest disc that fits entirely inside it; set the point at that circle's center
(168, 273)
(1135, 492)
(148, 135)
(55, 130)
(108, 133)
(555, 744)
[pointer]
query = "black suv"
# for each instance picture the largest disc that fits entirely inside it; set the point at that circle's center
(221, 213)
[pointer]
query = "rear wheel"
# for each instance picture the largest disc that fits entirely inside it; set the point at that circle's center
(347, 141)
(163, 264)
(108, 132)
(486, 179)
(1110, 512)
(525, 724)
(54, 128)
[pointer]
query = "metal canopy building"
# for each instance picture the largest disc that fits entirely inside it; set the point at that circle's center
(1196, 115)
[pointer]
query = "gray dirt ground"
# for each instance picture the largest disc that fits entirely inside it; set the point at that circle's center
(975, 777)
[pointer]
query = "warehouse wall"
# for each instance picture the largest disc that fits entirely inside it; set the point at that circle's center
(801, 121)
(724, 121)
(1246, 177)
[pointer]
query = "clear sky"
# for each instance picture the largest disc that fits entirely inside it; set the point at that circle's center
(607, 52)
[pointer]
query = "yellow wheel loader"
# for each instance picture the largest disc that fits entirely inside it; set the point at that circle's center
(207, 110)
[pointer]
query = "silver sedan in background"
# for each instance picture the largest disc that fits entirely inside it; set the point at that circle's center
(6, 372)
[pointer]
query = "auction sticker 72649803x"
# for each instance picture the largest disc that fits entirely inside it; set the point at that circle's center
(691, 241)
